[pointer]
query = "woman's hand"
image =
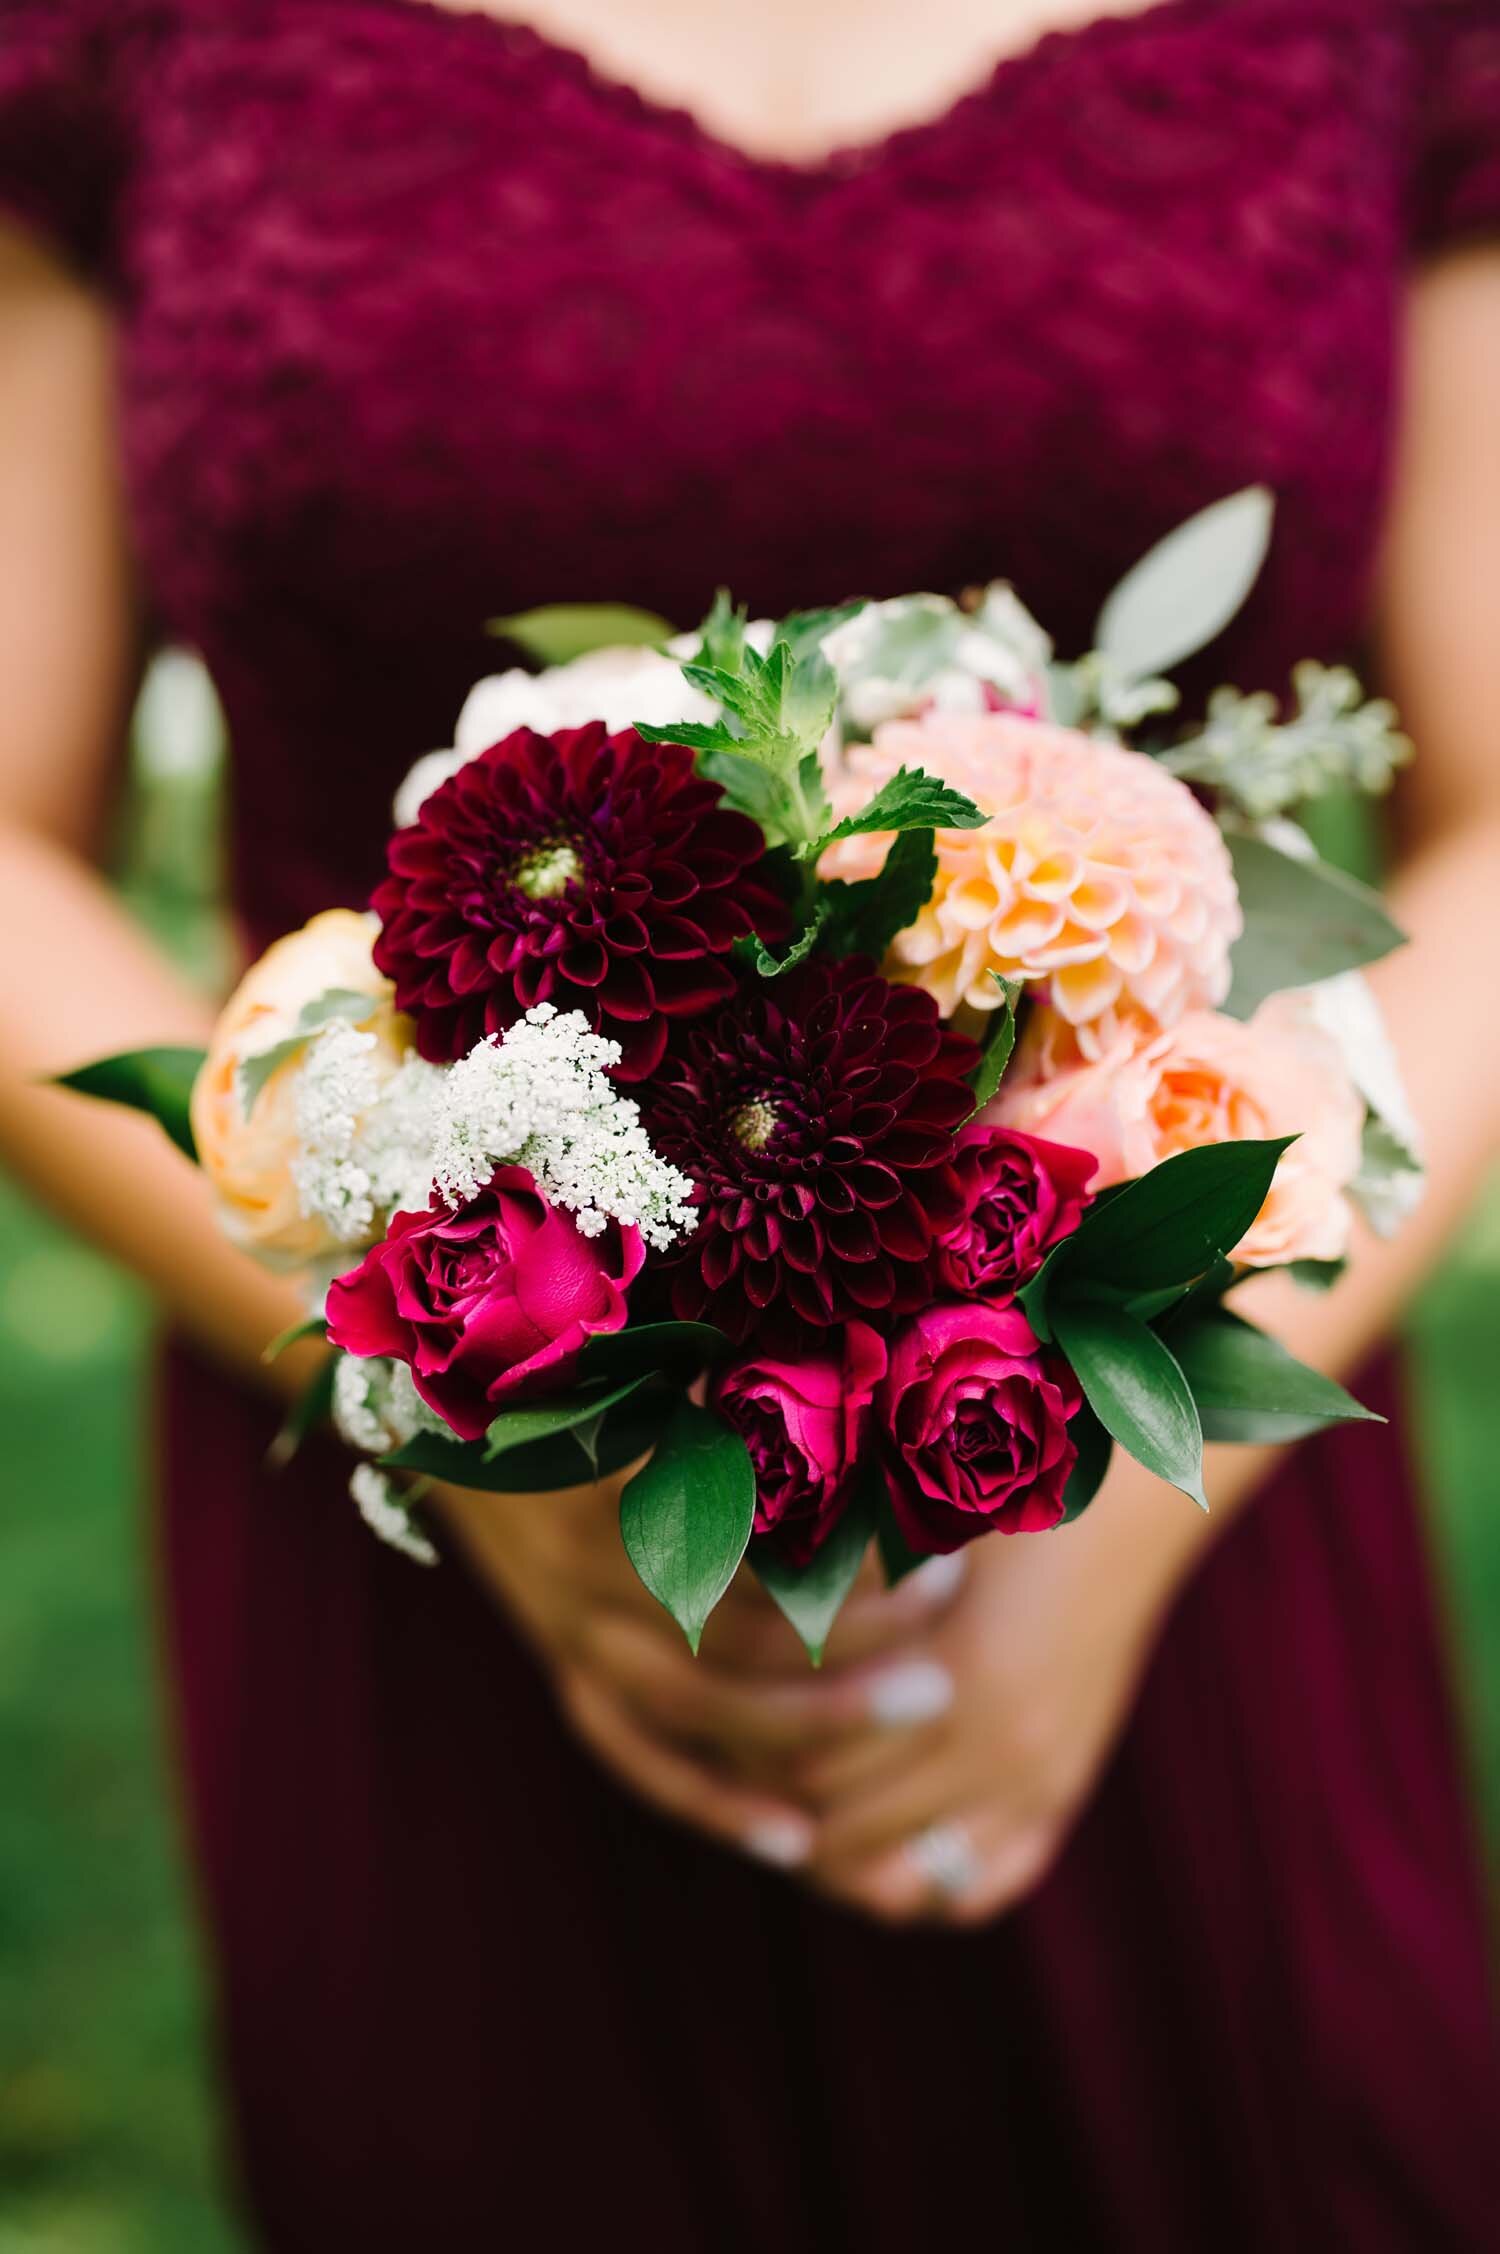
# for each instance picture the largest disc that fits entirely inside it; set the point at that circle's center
(1045, 1646)
(711, 1741)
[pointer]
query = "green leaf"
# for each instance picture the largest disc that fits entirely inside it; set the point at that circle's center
(156, 1081)
(803, 631)
(987, 1075)
(758, 956)
(334, 1004)
(811, 1595)
(310, 1409)
(563, 1459)
(1095, 1448)
(1171, 1225)
(516, 1428)
(1135, 1388)
(897, 1558)
(911, 800)
(722, 634)
(1186, 589)
(1249, 1389)
(686, 1517)
(1304, 920)
(558, 632)
(1317, 1275)
(677, 1350)
(864, 918)
(313, 1326)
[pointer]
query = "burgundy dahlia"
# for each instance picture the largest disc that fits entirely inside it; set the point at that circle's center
(594, 871)
(816, 1117)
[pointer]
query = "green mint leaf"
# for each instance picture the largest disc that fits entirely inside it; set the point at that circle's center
(722, 634)
(911, 800)
(864, 918)
(987, 1075)
(759, 957)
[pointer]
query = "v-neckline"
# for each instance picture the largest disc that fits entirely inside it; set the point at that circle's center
(512, 34)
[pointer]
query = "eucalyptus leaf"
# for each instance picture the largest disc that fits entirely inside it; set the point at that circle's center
(556, 633)
(1135, 1388)
(156, 1081)
(811, 1595)
(1304, 921)
(1248, 1388)
(685, 1518)
(1185, 590)
(336, 1004)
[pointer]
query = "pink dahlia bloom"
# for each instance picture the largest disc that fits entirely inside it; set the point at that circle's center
(1210, 1079)
(1097, 873)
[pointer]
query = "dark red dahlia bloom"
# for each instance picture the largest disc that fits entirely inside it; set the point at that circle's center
(594, 871)
(816, 1117)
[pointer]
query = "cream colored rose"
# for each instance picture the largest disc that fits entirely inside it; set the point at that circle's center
(248, 1157)
(1211, 1079)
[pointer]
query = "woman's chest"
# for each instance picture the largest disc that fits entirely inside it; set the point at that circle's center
(422, 318)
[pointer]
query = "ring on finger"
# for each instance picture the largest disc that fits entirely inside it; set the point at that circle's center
(947, 1858)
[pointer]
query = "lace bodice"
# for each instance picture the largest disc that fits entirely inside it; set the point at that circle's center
(422, 319)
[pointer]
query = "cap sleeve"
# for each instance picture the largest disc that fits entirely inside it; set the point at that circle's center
(61, 150)
(1456, 188)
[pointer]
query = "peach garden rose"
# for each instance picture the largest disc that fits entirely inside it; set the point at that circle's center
(1209, 1079)
(249, 1156)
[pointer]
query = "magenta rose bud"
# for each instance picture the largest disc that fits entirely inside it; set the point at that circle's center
(489, 1304)
(803, 1423)
(1021, 1196)
(976, 1427)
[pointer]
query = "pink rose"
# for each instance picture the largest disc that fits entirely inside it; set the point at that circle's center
(487, 1304)
(1020, 1196)
(803, 1423)
(1211, 1079)
(976, 1425)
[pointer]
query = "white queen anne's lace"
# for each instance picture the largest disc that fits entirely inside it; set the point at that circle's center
(539, 1096)
(364, 1138)
(380, 1506)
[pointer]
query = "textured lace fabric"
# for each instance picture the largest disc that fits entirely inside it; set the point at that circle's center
(423, 319)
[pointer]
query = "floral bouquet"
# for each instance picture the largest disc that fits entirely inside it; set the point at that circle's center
(845, 1061)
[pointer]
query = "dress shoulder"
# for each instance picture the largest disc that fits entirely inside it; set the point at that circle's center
(65, 124)
(1456, 150)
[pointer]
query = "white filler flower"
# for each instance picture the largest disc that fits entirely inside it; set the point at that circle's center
(539, 1096)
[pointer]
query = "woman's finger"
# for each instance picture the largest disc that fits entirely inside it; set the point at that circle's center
(756, 1822)
(958, 1871)
(702, 1704)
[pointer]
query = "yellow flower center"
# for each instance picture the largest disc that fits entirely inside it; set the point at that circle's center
(548, 870)
(753, 1124)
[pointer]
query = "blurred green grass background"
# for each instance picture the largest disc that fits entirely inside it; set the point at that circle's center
(107, 2139)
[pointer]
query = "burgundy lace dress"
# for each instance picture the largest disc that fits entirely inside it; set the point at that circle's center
(421, 320)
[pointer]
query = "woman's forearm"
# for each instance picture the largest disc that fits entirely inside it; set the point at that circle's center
(1448, 900)
(83, 981)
